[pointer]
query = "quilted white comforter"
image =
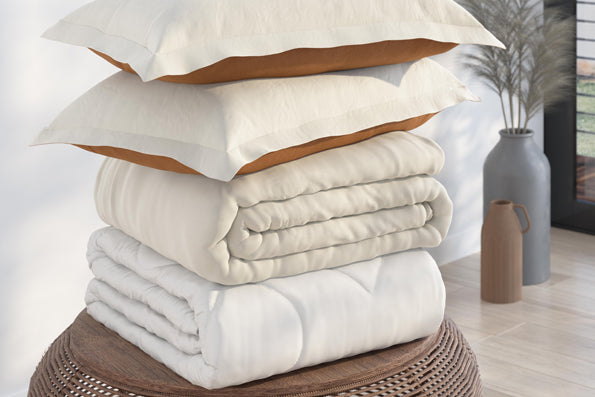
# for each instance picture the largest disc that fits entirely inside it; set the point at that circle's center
(328, 209)
(215, 335)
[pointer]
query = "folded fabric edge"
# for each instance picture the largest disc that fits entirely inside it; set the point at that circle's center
(151, 65)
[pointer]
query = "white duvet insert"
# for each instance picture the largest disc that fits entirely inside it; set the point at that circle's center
(216, 336)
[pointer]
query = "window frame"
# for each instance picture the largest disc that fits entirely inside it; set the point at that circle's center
(560, 148)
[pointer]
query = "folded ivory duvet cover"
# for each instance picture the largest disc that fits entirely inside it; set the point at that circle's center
(328, 209)
(216, 336)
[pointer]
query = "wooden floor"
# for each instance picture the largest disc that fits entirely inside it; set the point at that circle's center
(543, 345)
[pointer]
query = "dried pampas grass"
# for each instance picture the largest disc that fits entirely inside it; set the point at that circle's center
(536, 68)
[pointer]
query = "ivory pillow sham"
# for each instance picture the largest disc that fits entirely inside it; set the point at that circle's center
(209, 41)
(220, 129)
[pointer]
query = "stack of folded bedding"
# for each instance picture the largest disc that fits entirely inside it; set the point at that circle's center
(261, 226)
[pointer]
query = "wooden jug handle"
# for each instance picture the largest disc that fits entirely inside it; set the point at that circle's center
(526, 216)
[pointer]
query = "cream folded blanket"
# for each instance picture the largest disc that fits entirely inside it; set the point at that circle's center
(216, 336)
(328, 209)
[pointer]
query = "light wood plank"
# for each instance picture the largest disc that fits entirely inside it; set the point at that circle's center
(463, 272)
(451, 286)
(567, 266)
(555, 278)
(577, 286)
(543, 345)
(516, 380)
(570, 302)
(487, 392)
(544, 338)
(467, 300)
(533, 357)
(566, 242)
(472, 335)
(466, 308)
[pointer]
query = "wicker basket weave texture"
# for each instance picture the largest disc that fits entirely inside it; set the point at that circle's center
(78, 364)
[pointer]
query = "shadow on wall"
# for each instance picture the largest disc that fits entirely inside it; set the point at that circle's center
(466, 132)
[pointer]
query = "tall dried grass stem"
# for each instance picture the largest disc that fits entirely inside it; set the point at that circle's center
(536, 68)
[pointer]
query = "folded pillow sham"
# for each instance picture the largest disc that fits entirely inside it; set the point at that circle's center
(221, 129)
(213, 41)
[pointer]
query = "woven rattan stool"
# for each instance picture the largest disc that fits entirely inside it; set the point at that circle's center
(90, 360)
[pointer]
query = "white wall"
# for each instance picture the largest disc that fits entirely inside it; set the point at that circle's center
(47, 211)
(467, 133)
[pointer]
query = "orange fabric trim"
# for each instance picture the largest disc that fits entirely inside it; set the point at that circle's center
(305, 61)
(269, 159)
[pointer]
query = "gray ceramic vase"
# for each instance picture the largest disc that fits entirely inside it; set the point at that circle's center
(517, 170)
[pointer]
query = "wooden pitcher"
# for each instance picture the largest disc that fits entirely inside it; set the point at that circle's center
(502, 253)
